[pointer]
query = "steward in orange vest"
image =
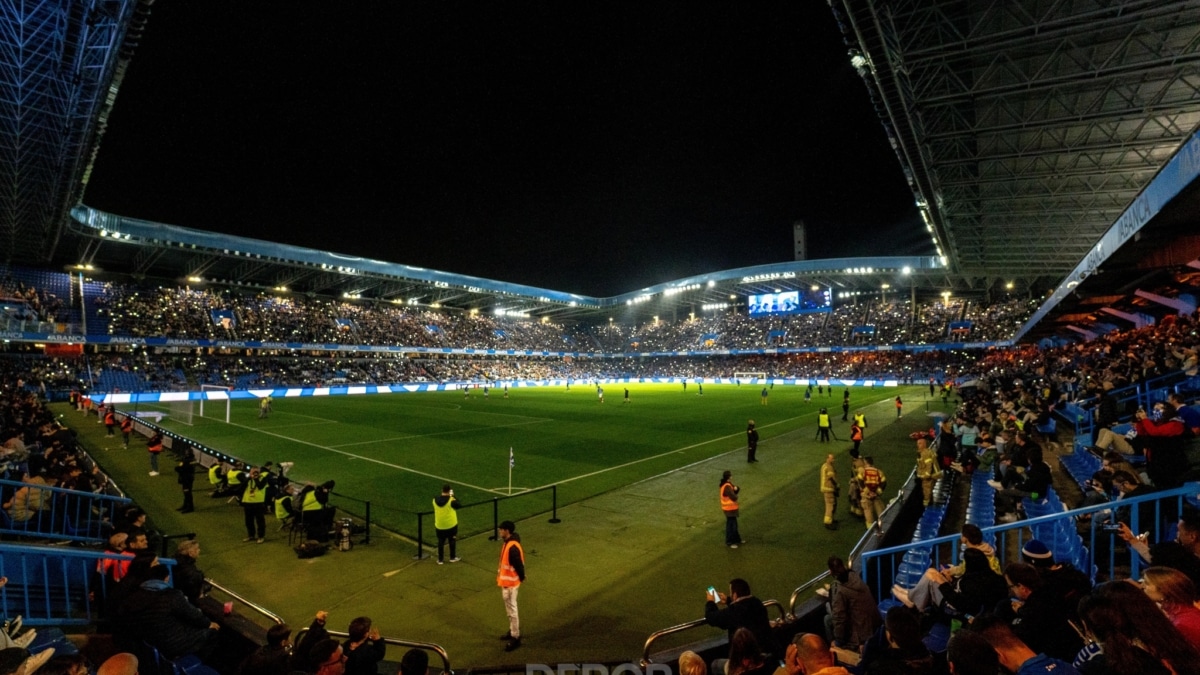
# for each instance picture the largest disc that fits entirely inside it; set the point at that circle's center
(509, 577)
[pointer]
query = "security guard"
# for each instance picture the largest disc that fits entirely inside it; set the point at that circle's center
(509, 577)
(823, 425)
(155, 447)
(127, 428)
(445, 523)
(254, 505)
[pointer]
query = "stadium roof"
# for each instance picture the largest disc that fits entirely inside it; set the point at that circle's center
(1026, 129)
(155, 250)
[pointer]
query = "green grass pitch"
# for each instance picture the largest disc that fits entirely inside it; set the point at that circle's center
(397, 450)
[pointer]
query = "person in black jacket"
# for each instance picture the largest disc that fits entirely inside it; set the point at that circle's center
(303, 656)
(188, 578)
(187, 476)
(1036, 615)
(977, 590)
(1035, 484)
(363, 649)
(742, 610)
(162, 616)
(271, 658)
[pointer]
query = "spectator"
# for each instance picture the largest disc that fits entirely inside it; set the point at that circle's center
(271, 658)
(691, 663)
(853, 617)
(1035, 616)
(977, 590)
(163, 617)
(1163, 434)
(896, 648)
(328, 658)
(746, 657)
(1014, 655)
(304, 656)
(968, 653)
(808, 654)
(1182, 554)
(188, 578)
(742, 610)
(416, 662)
(928, 591)
(1177, 597)
(363, 648)
(1134, 635)
(123, 663)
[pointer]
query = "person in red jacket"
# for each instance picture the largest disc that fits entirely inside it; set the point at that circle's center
(1164, 437)
(155, 447)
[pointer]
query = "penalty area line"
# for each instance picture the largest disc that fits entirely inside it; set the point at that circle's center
(365, 459)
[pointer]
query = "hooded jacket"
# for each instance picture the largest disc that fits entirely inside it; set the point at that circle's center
(854, 611)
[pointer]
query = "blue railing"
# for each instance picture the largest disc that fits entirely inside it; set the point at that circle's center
(881, 567)
(59, 513)
(53, 586)
(1144, 394)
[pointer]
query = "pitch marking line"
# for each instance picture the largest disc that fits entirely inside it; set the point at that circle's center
(440, 433)
(664, 454)
(365, 459)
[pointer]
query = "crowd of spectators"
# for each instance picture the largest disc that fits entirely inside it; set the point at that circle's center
(22, 302)
(188, 313)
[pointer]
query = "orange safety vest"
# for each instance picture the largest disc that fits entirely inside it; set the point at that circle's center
(855, 433)
(126, 425)
(506, 576)
(110, 418)
(727, 502)
(156, 447)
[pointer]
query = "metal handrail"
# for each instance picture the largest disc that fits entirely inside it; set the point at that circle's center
(252, 605)
(429, 646)
(1178, 495)
(683, 627)
(802, 588)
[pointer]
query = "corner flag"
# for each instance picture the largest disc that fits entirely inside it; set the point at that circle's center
(512, 461)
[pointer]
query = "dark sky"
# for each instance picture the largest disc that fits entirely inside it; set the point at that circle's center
(586, 147)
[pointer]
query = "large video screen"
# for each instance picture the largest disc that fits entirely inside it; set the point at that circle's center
(789, 302)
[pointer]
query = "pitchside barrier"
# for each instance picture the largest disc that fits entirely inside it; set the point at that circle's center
(494, 502)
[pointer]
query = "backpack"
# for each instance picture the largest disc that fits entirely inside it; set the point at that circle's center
(311, 549)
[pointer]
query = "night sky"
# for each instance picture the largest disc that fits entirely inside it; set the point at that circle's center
(585, 147)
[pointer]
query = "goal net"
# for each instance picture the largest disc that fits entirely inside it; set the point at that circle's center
(182, 411)
(216, 400)
(747, 376)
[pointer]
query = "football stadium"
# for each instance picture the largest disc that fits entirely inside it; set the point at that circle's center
(239, 454)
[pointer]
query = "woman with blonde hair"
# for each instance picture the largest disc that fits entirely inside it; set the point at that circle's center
(1176, 595)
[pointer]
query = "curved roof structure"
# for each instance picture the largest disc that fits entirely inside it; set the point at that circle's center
(1026, 128)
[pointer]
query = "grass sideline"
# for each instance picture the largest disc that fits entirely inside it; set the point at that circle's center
(397, 450)
(622, 563)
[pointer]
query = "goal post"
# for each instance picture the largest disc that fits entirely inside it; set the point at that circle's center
(759, 376)
(213, 395)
